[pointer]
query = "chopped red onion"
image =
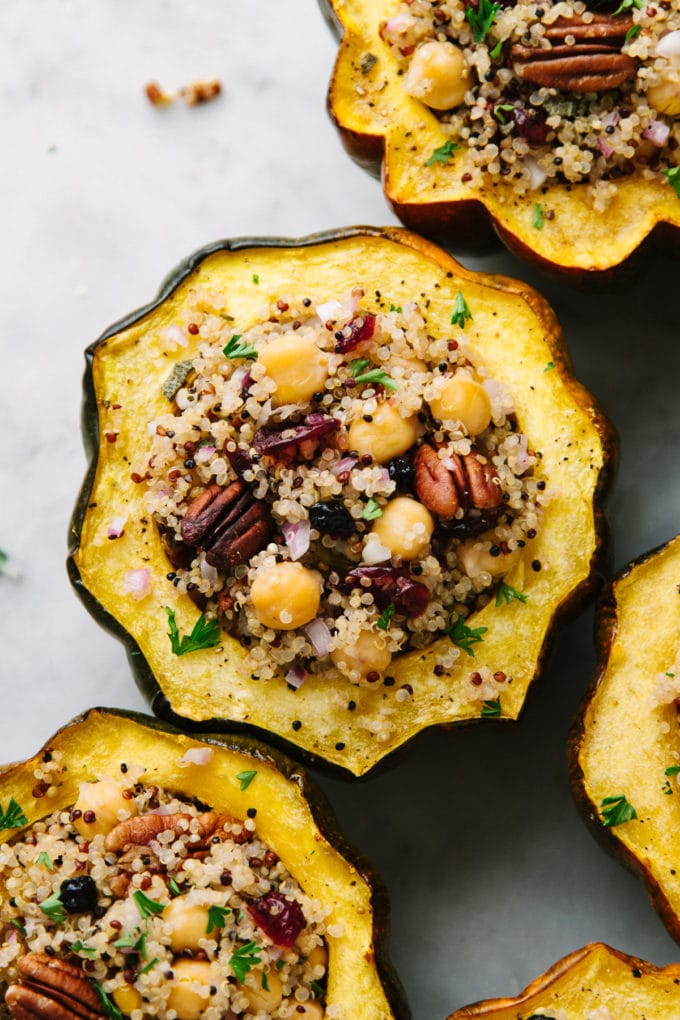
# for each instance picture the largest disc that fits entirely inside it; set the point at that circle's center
(611, 119)
(604, 147)
(537, 176)
(346, 464)
(137, 583)
(296, 675)
(657, 132)
(319, 635)
(204, 454)
(330, 311)
(296, 535)
(196, 756)
(208, 572)
(374, 551)
(116, 526)
(669, 46)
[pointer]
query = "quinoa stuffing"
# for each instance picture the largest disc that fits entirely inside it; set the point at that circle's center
(334, 485)
(540, 91)
(138, 903)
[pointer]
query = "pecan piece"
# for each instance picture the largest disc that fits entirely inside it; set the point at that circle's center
(139, 831)
(592, 63)
(463, 482)
(54, 989)
(229, 524)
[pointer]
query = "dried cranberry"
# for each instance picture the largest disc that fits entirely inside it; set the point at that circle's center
(331, 518)
(530, 124)
(281, 919)
(285, 441)
(401, 471)
(389, 585)
(78, 895)
(239, 459)
(361, 327)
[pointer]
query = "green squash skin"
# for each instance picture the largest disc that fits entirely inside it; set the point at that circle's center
(606, 628)
(141, 670)
(467, 226)
(322, 814)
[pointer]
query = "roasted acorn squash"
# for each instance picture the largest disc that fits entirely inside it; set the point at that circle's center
(513, 333)
(593, 981)
(293, 819)
(625, 744)
(384, 128)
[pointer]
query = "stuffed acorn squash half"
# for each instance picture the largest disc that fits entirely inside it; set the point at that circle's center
(625, 746)
(556, 124)
(594, 982)
(341, 491)
(148, 874)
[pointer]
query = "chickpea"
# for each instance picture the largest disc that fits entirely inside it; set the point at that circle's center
(127, 998)
(297, 366)
(474, 559)
(189, 923)
(286, 595)
(387, 436)
(187, 1001)
(311, 1009)
(318, 957)
(99, 804)
(437, 75)
(368, 654)
(405, 528)
(463, 400)
(261, 999)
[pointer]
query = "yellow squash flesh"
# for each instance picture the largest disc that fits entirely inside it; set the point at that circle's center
(513, 333)
(622, 744)
(381, 124)
(592, 978)
(289, 816)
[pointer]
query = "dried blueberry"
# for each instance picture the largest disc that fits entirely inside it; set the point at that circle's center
(78, 895)
(331, 518)
(400, 470)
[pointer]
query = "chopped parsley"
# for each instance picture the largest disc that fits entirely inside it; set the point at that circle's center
(83, 950)
(13, 817)
(318, 989)
(500, 110)
(146, 906)
(53, 908)
(505, 594)
(19, 927)
(174, 888)
(491, 708)
(463, 636)
(673, 175)
(150, 965)
(135, 939)
(537, 220)
(256, 278)
(216, 917)
(108, 1005)
(234, 349)
(395, 308)
(246, 778)
(243, 959)
(672, 770)
(372, 511)
(46, 861)
(496, 51)
(374, 375)
(461, 312)
(483, 17)
(265, 982)
(386, 616)
(549, 367)
(443, 154)
(205, 634)
(178, 376)
(627, 5)
(632, 33)
(616, 811)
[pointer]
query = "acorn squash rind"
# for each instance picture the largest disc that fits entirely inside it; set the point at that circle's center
(593, 976)
(293, 818)
(638, 635)
(388, 132)
(191, 693)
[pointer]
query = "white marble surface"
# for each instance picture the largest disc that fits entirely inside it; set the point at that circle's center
(491, 872)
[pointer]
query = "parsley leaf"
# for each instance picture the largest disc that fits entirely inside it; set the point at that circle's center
(265, 982)
(537, 220)
(627, 5)
(45, 859)
(108, 1005)
(372, 511)
(216, 917)
(465, 636)
(318, 989)
(206, 634)
(53, 908)
(243, 959)
(482, 19)
(395, 308)
(443, 154)
(19, 927)
(672, 770)
(234, 349)
(673, 175)
(506, 593)
(246, 778)
(617, 811)
(174, 888)
(386, 616)
(632, 33)
(374, 375)
(500, 110)
(491, 708)
(496, 51)
(146, 906)
(13, 817)
(461, 312)
(256, 278)
(82, 950)
(549, 367)
(150, 965)
(135, 939)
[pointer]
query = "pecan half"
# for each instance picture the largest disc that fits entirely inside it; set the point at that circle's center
(54, 989)
(592, 63)
(139, 831)
(229, 524)
(462, 482)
